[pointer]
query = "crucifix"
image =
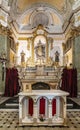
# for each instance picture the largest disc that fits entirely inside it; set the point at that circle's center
(3, 70)
(3, 61)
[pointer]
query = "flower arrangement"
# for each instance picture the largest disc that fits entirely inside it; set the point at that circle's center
(41, 117)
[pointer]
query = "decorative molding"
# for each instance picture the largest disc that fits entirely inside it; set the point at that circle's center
(76, 4)
(5, 30)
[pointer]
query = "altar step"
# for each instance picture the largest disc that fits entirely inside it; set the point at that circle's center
(13, 104)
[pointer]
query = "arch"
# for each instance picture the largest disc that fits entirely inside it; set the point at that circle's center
(40, 18)
(27, 102)
(58, 106)
(34, 10)
(62, 101)
(30, 106)
(40, 86)
(43, 103)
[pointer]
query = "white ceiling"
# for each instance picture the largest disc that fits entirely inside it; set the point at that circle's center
(52, 14)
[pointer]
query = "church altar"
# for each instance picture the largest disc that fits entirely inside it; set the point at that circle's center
(42, 107)
(40, 102)
(32, 75)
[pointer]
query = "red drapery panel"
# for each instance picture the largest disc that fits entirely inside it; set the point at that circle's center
(30, 106)
(53, 107)
(11, 82)
(69, 81)
(42, 106)
(7, 82)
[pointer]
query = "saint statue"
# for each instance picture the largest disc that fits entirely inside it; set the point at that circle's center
(40, 50)
(22, 58)
(57, 58)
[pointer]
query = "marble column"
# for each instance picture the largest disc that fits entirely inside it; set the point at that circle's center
(35, 113)
(50, 108)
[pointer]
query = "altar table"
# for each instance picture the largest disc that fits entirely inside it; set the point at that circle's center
(42, 107)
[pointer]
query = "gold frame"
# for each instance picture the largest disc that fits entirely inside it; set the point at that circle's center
(39, 32)
(26, 87)
(36, 34)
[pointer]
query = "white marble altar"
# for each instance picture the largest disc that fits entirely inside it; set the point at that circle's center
(49, 75)
(52, 112)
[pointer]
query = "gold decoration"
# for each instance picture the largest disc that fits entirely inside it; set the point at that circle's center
(63, 46)
(5, 30)
(17, 46)
(75, 31)
(30, 46)
(22, 38)
(78, 18)
(22, 59)
(49, 62)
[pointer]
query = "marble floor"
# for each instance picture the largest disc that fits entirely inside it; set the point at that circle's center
(9, 120)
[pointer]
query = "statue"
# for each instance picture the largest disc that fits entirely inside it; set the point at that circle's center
(40, 52)
(57, 58)
(22, 58)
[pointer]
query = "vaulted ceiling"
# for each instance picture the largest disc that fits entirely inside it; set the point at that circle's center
(52, 14)
(23, 4)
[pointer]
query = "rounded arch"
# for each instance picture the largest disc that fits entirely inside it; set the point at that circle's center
(28, 102)
(40, 18)
(26, 97)
(43, 8)
(39, 97)
(43, 103)
(40, 86)
(58, 106)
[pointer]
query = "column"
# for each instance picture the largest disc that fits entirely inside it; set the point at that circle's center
(16, 58)
(58, 106)
(35, 114)
(64, 111)
(50, 108)
(20, 109)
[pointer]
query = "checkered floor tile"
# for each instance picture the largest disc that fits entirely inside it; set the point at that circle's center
(9, 119)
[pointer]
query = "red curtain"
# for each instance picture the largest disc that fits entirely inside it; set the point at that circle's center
(11, 82)
(7, 83)
(30, 106)
(53, 107)
(42, 106)
(69, 81)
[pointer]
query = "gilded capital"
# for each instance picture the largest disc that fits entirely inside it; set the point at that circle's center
(17, 45)
(63, 46)
(5, 30)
